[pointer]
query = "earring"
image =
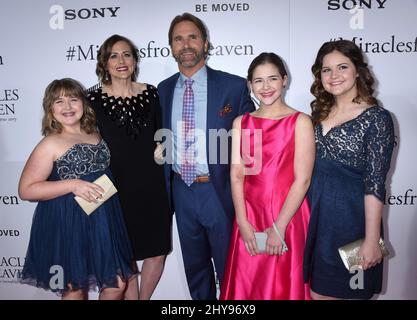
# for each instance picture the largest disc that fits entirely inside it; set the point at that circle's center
(106, 76)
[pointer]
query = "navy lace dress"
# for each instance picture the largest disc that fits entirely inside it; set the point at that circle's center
(67, 246)
(352, 160)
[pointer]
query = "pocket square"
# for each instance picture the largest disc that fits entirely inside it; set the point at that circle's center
(109, 190)
(225, 110)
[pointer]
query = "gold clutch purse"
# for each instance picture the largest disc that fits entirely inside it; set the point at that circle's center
(350, 256)
(109, 190)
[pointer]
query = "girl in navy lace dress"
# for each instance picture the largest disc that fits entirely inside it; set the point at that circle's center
(354, 140)
(70, 251)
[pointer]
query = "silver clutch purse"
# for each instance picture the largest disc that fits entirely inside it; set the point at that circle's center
(261, 241)
(350, 256)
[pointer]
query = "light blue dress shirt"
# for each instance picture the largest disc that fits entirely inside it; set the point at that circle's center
(200, 106)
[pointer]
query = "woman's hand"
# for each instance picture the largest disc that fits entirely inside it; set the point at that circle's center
(247, 232)
(87, 190)
(371, 255)
(274, 244)
(158, 154)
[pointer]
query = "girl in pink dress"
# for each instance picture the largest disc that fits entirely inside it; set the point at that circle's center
(273, 154)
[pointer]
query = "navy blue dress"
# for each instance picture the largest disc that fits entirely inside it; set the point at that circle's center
(90, 251)
(352, 160)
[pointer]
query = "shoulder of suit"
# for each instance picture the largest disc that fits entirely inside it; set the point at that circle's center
(168, 80)
(225, 75)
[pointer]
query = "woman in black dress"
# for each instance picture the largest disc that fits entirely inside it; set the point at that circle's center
(354, 140)
(128, 115)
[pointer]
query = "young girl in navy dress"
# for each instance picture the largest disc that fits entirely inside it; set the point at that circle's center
(354, 143)
(69, 251)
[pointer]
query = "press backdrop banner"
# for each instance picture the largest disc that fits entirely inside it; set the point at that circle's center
(45, 40)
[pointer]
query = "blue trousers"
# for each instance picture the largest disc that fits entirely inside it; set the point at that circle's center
(204, 231)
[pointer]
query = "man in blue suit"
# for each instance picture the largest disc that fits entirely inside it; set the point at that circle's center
(199, 105)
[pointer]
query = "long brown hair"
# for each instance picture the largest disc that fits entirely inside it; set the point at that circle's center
(70, 88)
(104, 53)
(322, 105)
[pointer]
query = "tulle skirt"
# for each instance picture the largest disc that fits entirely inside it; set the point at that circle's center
(67, 246)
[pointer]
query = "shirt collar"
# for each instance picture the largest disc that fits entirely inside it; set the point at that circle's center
(199, 77)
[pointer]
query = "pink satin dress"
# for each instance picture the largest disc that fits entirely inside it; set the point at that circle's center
(268, 277)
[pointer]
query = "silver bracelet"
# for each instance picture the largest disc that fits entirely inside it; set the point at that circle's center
(284, 245)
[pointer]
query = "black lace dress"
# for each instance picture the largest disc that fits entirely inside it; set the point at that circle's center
(128, 126)
(352, 160)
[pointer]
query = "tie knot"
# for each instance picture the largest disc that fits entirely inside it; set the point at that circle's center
(188, 82)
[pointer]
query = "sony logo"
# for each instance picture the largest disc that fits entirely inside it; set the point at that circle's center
(59, 14)
(349, 4)
(85, 13)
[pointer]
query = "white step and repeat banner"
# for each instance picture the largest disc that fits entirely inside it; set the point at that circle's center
(45, 40)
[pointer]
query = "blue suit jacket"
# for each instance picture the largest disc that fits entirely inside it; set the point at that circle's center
(227, 97)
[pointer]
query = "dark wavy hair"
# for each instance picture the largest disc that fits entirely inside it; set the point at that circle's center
(69, 88)
(104, 53)
(267, 57)
(198, 23)
(322, 105)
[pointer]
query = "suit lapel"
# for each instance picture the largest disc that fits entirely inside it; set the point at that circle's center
(213, 99)
(169, 97)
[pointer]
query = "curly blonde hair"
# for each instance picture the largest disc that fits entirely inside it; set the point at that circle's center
(322, 105)
(70, 88)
